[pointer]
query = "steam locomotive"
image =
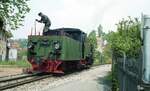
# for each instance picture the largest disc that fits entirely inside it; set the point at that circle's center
(59, 50)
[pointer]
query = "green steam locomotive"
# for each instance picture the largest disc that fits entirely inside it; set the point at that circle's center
(59, 50)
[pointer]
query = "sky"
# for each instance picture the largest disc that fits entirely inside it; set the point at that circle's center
(83, 14)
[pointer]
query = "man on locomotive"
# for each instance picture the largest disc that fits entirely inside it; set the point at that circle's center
(45, 20)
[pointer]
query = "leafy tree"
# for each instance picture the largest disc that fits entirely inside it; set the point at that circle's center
(126, 39)
(8, 34)
(97, 54)
(107, 54)
(12, 12)
(22, 43)
(101, 33)
(92, 39)
(100, 30)
(23, 51)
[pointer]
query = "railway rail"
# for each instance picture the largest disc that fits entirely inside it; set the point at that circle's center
(20, 80)
(12, 81)
(11, 75)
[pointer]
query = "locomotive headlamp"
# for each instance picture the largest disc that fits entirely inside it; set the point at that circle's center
(29, 46)
(57, 46)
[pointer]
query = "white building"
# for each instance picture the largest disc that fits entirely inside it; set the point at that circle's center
(13, 50)
(12, 54)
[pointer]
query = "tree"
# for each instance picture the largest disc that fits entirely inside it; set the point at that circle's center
(8, 34)
(107, 54)
(100, 30)
(13, 12)
(127, 38)
(92, 39)
(22, 43)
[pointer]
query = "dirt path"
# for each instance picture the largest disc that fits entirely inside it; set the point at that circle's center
(4, 71)
(91, 80)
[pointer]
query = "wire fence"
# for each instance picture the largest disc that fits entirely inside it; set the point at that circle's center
(128, 72)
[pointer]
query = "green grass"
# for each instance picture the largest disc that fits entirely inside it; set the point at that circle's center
(20, 63)
(109, 76)
(106, 80)
(96, 62)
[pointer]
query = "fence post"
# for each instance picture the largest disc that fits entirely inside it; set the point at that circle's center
(124, 68)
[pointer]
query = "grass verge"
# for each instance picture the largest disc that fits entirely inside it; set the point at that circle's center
(20, 63)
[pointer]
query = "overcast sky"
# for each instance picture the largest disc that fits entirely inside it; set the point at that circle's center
(83, 14)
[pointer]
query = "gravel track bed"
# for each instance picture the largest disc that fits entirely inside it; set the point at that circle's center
(52, 82)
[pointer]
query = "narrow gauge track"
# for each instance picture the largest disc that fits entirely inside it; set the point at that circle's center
(11, 75)
(17, 81)
(15, 77)
(20, 79)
